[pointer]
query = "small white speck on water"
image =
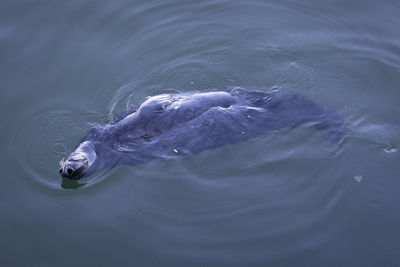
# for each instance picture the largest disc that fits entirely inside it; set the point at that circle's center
(192, 82)
(242, 132)
(248, 116)
(175, 150)
(358, 178)
(390, 149)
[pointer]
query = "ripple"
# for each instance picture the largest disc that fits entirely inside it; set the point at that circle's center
(43, 139)
(383, 135)
(241, 180)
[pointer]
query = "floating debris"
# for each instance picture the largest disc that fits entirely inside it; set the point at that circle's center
(358, 178)
(175, 150)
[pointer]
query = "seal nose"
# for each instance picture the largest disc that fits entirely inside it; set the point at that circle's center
(70, 171)
(66, 172)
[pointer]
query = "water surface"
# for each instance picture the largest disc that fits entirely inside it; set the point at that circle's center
(286, 199)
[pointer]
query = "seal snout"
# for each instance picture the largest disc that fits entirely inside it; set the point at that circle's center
(74, 167)
(67, 172)
(70, 172)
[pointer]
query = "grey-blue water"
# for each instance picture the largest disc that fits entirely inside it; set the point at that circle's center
(290, 198)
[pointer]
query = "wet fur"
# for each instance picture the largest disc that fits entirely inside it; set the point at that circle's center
(181, 124)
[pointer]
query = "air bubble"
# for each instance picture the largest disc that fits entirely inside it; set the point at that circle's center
(390, 149)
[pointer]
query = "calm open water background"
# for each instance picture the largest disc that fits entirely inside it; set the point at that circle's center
(286, 199)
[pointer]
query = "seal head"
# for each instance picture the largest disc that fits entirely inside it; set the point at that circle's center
(78, 162)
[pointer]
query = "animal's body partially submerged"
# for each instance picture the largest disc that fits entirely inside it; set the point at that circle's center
(179, 124)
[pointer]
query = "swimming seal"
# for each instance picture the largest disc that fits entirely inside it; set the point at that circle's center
(170, 125)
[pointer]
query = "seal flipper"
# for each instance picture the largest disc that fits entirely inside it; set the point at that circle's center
(331, 126)
(301, 110)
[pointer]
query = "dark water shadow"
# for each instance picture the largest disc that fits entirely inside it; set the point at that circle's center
(71, 184)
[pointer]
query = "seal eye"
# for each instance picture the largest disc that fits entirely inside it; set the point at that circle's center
(70, 171)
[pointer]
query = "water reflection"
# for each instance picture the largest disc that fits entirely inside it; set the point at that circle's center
(71, 184)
